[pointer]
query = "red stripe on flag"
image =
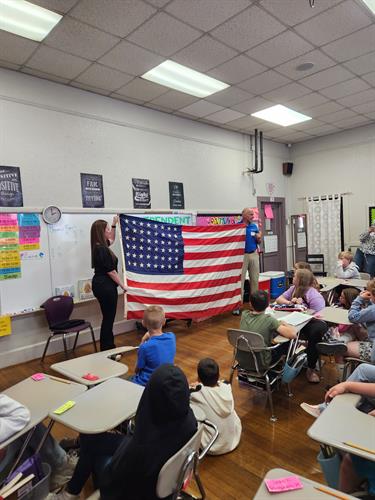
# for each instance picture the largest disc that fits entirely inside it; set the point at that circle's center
(183, 286)
(213, 241)
(190, 315)
(215, 254)
(213, 269)
(141, 299)
(212, 229)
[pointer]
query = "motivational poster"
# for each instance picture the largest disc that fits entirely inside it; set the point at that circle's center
(10, 187)
(92, 191)
(141, 193)
(176, 195)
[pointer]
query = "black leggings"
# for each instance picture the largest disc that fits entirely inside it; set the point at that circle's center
(105, 290)
(313, 333)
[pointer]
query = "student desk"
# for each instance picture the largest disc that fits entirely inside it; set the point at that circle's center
(41, 397)
(279, 339)
(306, 493)
(98, 364)
(334, 315)
(102, 408)
(341, 423)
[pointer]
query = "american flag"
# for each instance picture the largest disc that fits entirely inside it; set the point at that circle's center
(191, 271)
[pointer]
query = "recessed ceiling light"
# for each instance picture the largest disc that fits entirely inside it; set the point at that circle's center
(370, 4)
(178, 77)
(26, 19)
(305, 66)
(281, 115)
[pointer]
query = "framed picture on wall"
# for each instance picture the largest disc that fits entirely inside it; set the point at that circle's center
(371, 216)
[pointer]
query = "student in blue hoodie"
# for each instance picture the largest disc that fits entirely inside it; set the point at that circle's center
(156, 348)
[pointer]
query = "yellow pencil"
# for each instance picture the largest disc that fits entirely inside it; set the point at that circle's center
(59, 379)
(332, 493)
(356, 446)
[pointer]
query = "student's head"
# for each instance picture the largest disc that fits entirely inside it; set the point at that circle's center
(371, 288)
(347, 296)
(303, 280)
(346, 258)
(259, 300)
(302, 265)
(208, 372)
(153, 318)
(247, 215)
(99, 235)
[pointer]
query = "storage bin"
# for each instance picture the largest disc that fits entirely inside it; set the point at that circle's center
(277, 282)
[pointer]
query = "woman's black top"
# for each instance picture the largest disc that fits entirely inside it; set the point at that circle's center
(104, 261)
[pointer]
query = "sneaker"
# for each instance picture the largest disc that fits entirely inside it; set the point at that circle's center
(62, 474)
(312, 376)
(312, 410)
(62, 495)
(115, 357)
(331, 348)
(236, 312)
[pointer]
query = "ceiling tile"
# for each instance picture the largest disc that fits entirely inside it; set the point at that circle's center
(157, 107)
(287, 92)
(353, 45)
(164, 34)
(225, 116)
(9, 65)
(278, 132)
(320, 61)
(174, 100)
(253, 105)
(326, 78)
(103, 77)
(247, 122)
(237, 69)
(371, 116)
(296, 137)
(323, 109)
(119, 17)
(292, 12)
(204, 54)
(345, 88)
(89, 88)
(370, 78)
(46, 76)
(264, 82)
(79, 39)
(15, 49)
(158, 3)
(57, 63)
(56, 5)
(338, 115)
(360, 98)
(352, 122)
(229, 97)
(206, 14)
(247, 29)
(142, 90)
(364, 108)
(201, 108)
(283, 47)
(307, 101)
(124, 98)
(323, 130)
(309, 124)
(131, 59)
(361, 65)
(334, 23)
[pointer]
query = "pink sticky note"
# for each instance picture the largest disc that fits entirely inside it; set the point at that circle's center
(90, 376)
(283, 484)
(38, 376)
(268, 212)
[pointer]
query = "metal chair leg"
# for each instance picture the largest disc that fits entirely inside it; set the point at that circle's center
(65, 346)
(93, 339)
(75, 342)
(290, 394)
(198, 481)
(46, 347)
(269, 395)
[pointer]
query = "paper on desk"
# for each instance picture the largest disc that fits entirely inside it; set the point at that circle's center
(283, 484)
(295, 318)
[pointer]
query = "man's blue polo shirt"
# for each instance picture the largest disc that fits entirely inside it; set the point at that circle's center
(251, 241)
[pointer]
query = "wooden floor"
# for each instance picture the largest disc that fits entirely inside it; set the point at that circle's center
(264, 445)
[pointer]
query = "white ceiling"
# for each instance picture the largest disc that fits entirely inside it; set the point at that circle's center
(255, 45)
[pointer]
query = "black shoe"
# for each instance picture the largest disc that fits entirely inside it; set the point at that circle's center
(331, 348)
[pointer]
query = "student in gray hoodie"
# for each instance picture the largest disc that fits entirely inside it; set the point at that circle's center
(346, 267)
(215, 398)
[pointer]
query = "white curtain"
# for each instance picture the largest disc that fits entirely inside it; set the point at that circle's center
(324, 229)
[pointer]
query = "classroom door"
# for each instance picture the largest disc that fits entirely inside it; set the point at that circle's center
(273, 245)
(299, 237)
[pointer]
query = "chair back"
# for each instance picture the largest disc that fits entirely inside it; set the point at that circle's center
(364, 276)
(179, 468)
(316, 260)
(249, 350)
(57, 309)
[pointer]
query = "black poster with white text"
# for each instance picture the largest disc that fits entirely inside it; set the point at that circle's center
(141, 193)
(176, 195)
(92, 191)
(10, 187)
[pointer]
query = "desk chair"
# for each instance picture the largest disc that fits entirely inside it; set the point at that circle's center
(248, 350)
(350, 365)
(58, 310)
(364, 276)
(317, 260)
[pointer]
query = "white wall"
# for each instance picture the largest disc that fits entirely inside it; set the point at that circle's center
(337, 163)
(53, 132)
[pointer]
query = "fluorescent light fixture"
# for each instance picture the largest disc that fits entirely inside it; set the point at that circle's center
(370, 4)
(26, 19)
(281, 115)
(178, 77)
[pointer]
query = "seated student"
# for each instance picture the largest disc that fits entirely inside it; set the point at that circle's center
(156, 347)
(215, 398)
(303, 292)
(130, 465)
(354, 470)
(258, 321)
(346, 267)
(13, 418)
(306, 265)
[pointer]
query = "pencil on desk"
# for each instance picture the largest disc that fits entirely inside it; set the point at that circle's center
(59, 379)
(357, 447)
(332, 493)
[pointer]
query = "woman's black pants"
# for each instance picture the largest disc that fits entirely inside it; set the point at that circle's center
(105, 290)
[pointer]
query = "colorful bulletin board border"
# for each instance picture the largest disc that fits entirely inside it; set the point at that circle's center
(214, 219)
